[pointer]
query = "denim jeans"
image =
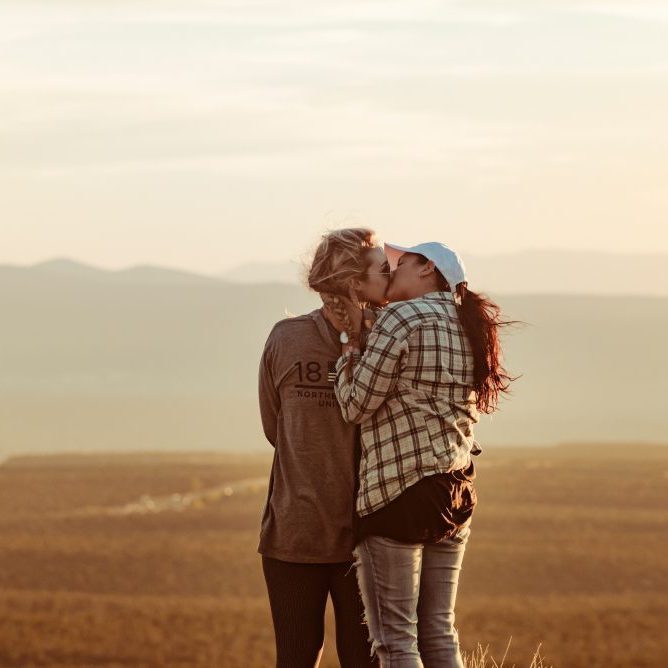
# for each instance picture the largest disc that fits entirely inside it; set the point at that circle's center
(409, 592)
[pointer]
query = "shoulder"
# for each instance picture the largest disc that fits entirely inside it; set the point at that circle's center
(402, 317)
(288, 328)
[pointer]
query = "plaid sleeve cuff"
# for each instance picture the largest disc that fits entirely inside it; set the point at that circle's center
(350, 358)
(340, 364)
(343, 360)
(342, 386)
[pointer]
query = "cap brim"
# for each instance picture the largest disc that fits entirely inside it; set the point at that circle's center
(393, 253)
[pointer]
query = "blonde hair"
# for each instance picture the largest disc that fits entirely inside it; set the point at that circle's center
(340, 256)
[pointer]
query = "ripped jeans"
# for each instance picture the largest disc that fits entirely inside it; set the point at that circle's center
(409, 592)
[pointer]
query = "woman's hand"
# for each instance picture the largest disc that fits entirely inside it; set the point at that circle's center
(345, 313)
(334, 311)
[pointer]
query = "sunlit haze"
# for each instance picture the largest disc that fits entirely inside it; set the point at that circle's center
(203, 135)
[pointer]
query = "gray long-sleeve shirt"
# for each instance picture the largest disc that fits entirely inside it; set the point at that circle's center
(309, 511)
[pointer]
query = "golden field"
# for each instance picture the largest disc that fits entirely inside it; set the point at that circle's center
(102, 565)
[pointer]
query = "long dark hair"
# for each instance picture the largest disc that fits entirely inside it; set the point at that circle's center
(481, 320)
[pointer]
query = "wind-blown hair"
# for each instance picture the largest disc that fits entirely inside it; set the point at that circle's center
(340, 256)
(481, 319)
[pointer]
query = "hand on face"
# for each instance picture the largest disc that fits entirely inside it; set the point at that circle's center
(344, 313)
(333, 310)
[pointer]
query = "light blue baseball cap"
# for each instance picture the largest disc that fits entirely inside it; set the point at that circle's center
(447, 261)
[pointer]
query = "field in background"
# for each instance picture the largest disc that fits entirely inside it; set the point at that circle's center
(149, 559)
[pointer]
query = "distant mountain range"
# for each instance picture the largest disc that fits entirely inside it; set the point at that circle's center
(527, 272)
(149, 358)
(65, 268)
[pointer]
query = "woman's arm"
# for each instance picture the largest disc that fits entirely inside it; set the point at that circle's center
(364, 380)
(370, 361)
(270, 402)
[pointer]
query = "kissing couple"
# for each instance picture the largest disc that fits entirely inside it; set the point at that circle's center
(369, 403)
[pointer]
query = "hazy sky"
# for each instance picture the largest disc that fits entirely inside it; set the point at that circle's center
(205, 134)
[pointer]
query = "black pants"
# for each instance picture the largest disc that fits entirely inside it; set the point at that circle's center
(298, 596)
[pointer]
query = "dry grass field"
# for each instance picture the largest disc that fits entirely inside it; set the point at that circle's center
(101, 565)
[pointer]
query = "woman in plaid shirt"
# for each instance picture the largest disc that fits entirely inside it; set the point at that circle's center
(431, 362)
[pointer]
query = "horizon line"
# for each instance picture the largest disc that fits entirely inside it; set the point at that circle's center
(286, 261)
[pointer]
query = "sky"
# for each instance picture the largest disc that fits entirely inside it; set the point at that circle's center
(203, 135)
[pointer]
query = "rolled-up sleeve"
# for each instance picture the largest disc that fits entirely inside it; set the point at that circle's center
(361, 390)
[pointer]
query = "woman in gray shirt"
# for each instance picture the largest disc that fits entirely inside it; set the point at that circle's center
(306, 537)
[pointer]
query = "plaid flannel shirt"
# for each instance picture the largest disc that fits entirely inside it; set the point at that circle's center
(412, 392)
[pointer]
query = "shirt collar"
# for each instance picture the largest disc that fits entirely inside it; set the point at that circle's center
(440, 296)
